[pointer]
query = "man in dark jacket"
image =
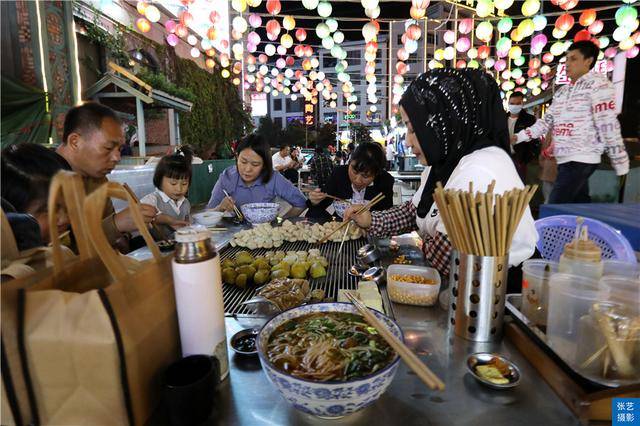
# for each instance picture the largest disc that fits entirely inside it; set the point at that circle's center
(518, 119)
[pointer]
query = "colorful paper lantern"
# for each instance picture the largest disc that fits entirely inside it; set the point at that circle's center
(288, 23)
(530, 7)
(368, 31)
(142, 7)
(626, 16)
(565, 22)
(465, 26)
(596, 27)
(463, 44)
(472, 53)
(170, 26)
(500, 65)
(416, 13)
(274, 7)
(254, 3)
(461, 63)
(270, 49)
(587, 17)
(322, 30)
(505, 24)
(143, 25)
(332, 24)
(338, 37)
(186, 18)
(324, 9)
(172, 40)
(582, 35)
(255, 20)
(195, 52)
(214, 17)
(421, 4)
(239, 24)
(402, 54)
(484, 31)
(620, 34)
(558, 33)
(568, 4)
(239, 5)
(449, 53)
(632, 53)
(503, 4)
(310, 4)
(547, 58)
(484, 52)
(515, 52)
(281, 50)
(539, 22)
(414, 32)
(484, 8)
(301, 34)
(152, 13)
(538, 42)
(449, 37)
(473, 64)
(286, 40)
(626, 44)
(253, 38)
(328, 43)
(439, 54)
(603, 42)
(610, 52)
(526, 27)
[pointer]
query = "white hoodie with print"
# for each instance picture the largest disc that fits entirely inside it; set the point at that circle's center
(583, 121)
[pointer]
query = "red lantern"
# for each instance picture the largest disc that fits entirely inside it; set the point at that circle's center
(401, 68)
(534, 63)
(414, 32)
(214, 17)
(308, 51)
(595, 41)
(483, 52)
(402, 54)
(251, 60)
(532, 73)
(520, 80)
(262, 58)
(596, 27)
(587, 17)
(461, 63)
(274, 7)
(547, 58)
(186, 18)
(212, 33)
(568, 4)
(299, 51)
(564, 22)
(290, 61)
(371, 47)
(301, 34)
(582, 35)
(273, 29)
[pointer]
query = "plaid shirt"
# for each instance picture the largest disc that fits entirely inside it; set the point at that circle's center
(402, 219)
(321, 168)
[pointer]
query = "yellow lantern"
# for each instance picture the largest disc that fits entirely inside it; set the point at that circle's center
(143, 25)
(558, 33)
(503, 4)
(286, 40)
(516, 35)
(627, 43)
(254, 3)
(526, 28)
(239, 5)
(288, 22)
(515, 52)
(225, 73)
(530, 7)
(484, 8)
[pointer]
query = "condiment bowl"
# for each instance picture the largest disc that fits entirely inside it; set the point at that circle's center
(208, 217)
(482, 358)
(236, 341)
(260, 212)
(367, 254)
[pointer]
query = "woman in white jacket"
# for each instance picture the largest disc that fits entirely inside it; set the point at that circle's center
(457, 128)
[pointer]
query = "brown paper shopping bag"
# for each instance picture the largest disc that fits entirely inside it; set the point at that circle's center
(92, 340)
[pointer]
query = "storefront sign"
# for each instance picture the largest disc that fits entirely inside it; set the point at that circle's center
(309, 116)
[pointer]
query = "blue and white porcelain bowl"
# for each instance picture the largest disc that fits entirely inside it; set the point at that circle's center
(332, 398)
(260, 212)
(341, 206)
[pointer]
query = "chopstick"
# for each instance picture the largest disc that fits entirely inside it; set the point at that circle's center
(326, 195)
(235, 208)
(480, 223)
(344, 236)
(152, 225)
(367, 206)
(412, 361)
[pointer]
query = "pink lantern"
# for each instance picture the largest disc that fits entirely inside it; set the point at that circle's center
(181, 30)
(632, 53)
(610, 52)
(449, 37)
(262, 58)
(596, 27)
(544, 85)
(308, 51)
(500, 65)
(251, 60)
(255, 20)
(214, 17)
(172, 40)
(582, 35)
(401, 68)
(402, 54)
(463, 44)
(532, 73)
(281, 63)
(170, 26)
(301, 34)
(520, 80)
(502, 53)
(610, 66)
(251, 47)
(465, 26)
(568, 4)
(538, 42)
(413, 32)
(253, 38)
(547, 58)
(224, 43)
(461, 63)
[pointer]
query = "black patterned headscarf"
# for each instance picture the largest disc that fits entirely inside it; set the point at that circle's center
(453, 113)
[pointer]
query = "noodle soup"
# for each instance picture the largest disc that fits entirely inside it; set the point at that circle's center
(328, 346)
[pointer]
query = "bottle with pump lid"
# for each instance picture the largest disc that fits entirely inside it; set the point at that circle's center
(582, 256)
(198, 288)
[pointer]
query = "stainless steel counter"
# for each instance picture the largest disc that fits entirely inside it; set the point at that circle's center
(247, 397)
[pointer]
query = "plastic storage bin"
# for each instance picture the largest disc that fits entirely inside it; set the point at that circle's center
(621, 268)
(535, 289)
(413, 293)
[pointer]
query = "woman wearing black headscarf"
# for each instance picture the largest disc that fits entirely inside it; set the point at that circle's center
(457, 129)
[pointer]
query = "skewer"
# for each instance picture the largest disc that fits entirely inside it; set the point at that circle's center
(412, 361)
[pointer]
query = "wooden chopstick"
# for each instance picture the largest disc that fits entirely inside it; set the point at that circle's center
(235, 208)
(412, 361)
(367, 206)
(344, 236)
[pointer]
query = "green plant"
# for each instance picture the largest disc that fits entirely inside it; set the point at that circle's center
(359, 133)
(269, 131)
(218, 115)
(114, 44)
(326, 135)
(159, 81)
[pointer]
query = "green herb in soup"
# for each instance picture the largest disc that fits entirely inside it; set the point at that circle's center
(328, 346)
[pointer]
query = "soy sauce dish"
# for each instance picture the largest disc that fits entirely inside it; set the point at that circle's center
(493, 370)
(244, 342)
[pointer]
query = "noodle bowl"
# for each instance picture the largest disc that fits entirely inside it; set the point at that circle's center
(317, 358)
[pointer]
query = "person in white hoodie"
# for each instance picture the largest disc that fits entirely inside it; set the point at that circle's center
(582, 120)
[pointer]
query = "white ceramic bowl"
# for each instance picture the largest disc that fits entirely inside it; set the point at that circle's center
(260, 212)
(208, 218)
(326, 399)
(341, 206)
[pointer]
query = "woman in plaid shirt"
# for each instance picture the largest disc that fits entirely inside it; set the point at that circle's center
(457, 128)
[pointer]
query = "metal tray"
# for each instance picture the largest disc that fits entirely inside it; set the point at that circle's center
(513, 303)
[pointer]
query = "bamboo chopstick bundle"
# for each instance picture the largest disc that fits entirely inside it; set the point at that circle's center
(482, 223)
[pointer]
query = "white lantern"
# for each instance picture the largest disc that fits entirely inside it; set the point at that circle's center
(294, 97)
(449, 53)
(192, 40)
(373, 13)
(152, 13)
(288, 73)
(411, 46)
(352, 107)
(310, 4)
(195, 52)
(239, 24)
(338, 37)
(270, 49)
(332, 24)
(369, 31)
(324, 9)
(322, 30)
(373, 108)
